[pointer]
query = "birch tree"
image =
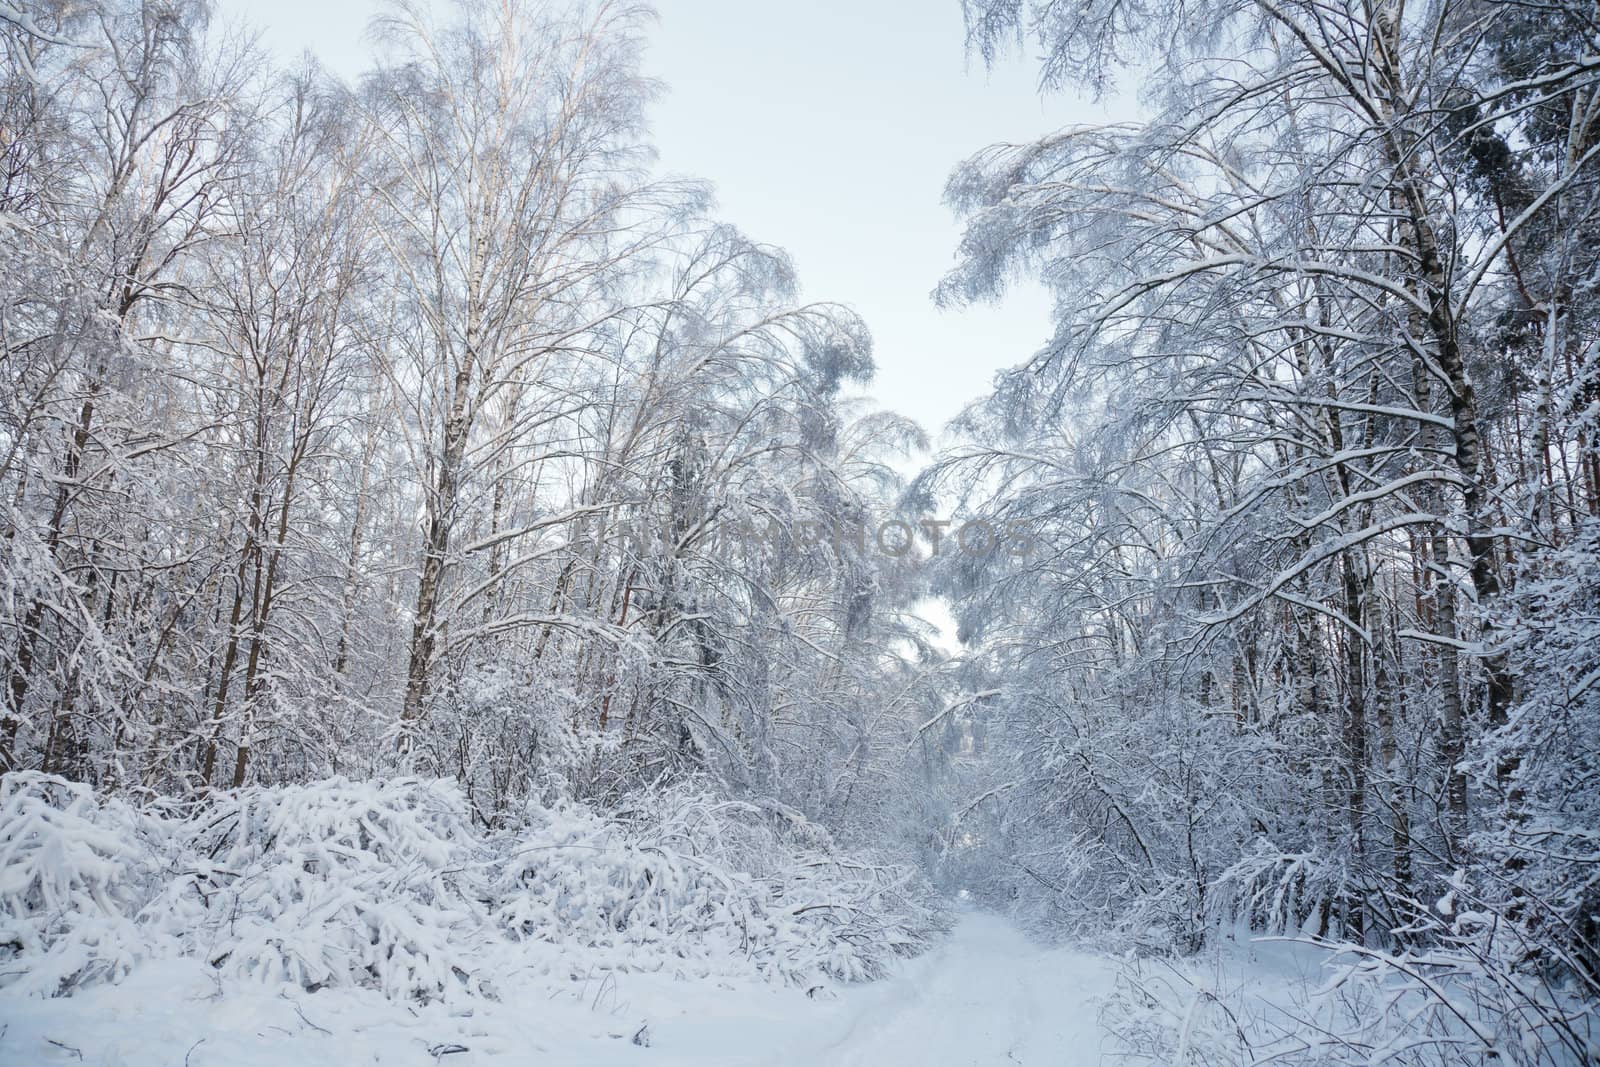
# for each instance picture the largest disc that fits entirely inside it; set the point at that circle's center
(508, 178)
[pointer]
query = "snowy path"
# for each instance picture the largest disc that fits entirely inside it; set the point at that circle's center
(987, 996)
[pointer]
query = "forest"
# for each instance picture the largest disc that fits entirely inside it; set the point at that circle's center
(455, 588)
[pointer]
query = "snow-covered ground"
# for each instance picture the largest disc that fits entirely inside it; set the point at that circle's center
(987, 995)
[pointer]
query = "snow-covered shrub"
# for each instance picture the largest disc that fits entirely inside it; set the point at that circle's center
(336, 883)
(685, 881)
(74, 871)
(333, 883)
(576, 880)
(388, 885)
(828, 912)
(1465, 1002)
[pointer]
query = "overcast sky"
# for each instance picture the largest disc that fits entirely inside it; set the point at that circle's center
(827, 128)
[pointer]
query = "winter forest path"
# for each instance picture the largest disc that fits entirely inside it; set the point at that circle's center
(985, 997)
(988, 995)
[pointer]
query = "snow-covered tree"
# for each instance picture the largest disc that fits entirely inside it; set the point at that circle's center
(1313, 408)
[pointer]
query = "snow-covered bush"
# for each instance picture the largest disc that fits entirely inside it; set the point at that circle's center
(388, 885)
(336, 883)
(74, 871)
(685, 881)
(828, 912)
(1465, 1002)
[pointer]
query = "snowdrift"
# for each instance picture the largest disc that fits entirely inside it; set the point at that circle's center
(389, 886)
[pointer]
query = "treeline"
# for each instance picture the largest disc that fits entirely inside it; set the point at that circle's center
(1312, 636)
(354, 428)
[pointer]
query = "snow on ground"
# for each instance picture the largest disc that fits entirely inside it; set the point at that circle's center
(987, 995)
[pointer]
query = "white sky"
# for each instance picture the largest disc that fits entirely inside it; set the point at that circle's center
(828, 128)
